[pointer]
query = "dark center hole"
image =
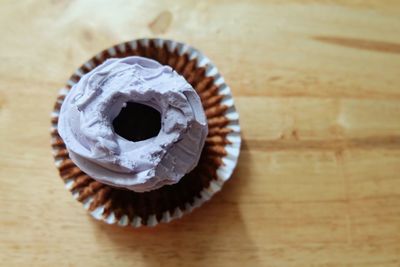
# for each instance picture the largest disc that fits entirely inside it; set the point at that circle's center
(137, 122)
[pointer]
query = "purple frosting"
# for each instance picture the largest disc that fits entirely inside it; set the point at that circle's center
(86, 116)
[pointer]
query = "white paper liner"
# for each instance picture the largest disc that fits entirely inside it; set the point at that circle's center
(224, 171)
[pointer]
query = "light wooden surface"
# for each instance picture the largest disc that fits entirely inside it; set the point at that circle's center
(317, 86)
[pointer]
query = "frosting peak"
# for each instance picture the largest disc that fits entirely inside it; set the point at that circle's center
(87, 113)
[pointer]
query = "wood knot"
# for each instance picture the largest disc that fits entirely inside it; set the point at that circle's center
(161, 23)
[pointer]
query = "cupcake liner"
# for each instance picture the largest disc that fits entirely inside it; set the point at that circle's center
(217, 162)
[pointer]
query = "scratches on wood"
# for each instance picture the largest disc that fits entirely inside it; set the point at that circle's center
(281, 144)
(363, 44)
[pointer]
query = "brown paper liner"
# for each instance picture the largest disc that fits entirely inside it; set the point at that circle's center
(132, 204)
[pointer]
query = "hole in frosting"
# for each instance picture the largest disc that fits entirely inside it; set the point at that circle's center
(137, 122)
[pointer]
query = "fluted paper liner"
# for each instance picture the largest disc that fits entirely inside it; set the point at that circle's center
(217, 161)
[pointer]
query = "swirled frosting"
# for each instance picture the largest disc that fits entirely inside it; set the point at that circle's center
(87, 113)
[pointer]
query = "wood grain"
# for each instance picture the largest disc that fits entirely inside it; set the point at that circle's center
(316, 84)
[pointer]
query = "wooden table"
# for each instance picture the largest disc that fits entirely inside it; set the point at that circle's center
(317, 86)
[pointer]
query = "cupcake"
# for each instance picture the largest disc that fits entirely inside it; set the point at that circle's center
(144, 132)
